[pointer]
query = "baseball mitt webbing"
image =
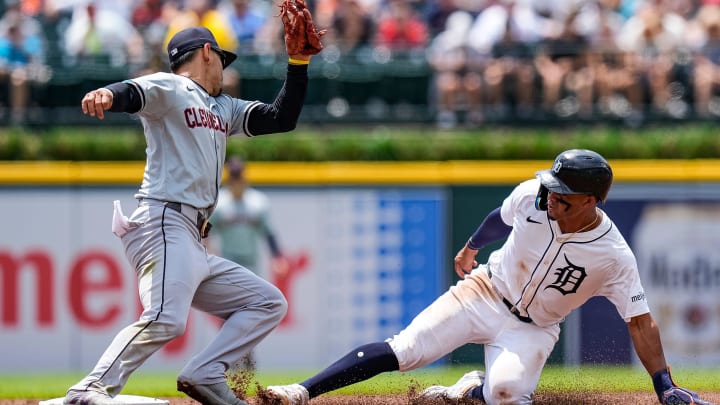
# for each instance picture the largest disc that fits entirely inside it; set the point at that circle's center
(301, 36)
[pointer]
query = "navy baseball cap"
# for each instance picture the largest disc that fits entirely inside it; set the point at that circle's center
(235, 167)
(193, 38)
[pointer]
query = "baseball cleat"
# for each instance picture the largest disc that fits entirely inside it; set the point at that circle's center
(210, 394)
(455, 392)
(294, 394)
(78, 397)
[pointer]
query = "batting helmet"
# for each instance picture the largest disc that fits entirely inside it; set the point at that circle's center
(578, 171)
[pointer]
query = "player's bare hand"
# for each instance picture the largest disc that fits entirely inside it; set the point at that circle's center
(465, 261)
(96, 102)
(280, 266)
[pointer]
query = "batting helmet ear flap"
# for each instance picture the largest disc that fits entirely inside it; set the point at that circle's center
(541, 199)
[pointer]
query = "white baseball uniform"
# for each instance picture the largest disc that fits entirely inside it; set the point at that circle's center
(186, 131)
(539, 272)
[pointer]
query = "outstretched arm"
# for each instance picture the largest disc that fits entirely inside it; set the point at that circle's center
(95, 102)
(302, 40)
(115, 97)
(491, 229)
(646, 340)
(282, 115)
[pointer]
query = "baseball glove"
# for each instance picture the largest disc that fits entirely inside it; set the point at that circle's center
(301, 36)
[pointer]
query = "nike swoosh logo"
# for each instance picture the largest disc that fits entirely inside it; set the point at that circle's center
(529, 219)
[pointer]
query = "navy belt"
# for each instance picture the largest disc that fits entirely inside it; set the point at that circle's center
(513, 310)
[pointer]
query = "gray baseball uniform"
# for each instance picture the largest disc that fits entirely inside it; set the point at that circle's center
(186, 131)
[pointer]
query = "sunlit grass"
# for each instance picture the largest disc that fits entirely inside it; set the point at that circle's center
(553, 379)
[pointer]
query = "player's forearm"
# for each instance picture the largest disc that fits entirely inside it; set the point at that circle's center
(273, 245)
(282, 115)
(126, 98)
(491, 229)
(646, 340)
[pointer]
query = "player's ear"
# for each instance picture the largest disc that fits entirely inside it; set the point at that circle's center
(206, 53)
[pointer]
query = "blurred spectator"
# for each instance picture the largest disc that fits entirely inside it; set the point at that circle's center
(436, 14)
(101, 35)
(270, 38)
(149, 18)
(146, 13)
(652, 37)
(352, 27)
(617, 81)
(552, 15)
(706, 75)
(474, 7)
(21, 60)
(400, 28)
(506, 32)
(30, 8)
(608, 21)
(687, 9)
(567, 79)
(245, 23)
(323, 12)
(203, 13)
(457, 86)
(242, 222)
(30, 31)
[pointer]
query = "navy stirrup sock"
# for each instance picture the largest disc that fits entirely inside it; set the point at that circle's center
(360, 364)
(477, 393)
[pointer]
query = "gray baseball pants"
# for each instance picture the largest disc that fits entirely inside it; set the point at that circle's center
(175, 273)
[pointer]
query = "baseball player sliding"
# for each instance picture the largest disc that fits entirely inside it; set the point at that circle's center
(187, 120)
(561, 249)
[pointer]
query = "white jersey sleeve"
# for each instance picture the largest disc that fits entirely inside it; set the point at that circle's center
(624, 289)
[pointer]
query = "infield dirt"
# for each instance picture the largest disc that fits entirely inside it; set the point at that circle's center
(641, 398)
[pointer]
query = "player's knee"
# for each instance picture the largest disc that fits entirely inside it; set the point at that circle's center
(168, 327)
(509, 392)
(171, 330)
(278, 307)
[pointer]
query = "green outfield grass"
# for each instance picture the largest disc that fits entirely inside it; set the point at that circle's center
(554, 379)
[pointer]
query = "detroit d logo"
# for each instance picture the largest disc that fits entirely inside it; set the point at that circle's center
(568, 278)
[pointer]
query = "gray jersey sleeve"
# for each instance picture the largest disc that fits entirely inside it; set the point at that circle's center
(157, 93)
(238, 113)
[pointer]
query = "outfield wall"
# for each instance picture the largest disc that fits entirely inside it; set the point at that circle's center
(370, 243)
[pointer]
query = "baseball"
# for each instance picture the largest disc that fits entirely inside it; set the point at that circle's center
(360, 354)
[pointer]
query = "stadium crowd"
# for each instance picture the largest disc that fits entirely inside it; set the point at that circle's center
(489, 59)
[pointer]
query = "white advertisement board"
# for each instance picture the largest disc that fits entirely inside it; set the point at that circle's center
(677, 247)
(363, 262)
